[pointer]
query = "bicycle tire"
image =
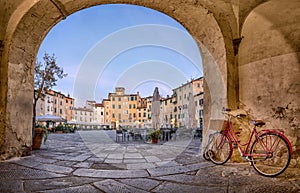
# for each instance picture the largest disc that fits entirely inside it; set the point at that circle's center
(221, 149)
(278, 158)
(207, 148)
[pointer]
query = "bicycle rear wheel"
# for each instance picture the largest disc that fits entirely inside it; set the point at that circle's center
(221, 149)
(208, 147)
(270, 154)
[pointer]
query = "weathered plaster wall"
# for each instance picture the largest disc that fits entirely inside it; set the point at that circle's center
(269, 67)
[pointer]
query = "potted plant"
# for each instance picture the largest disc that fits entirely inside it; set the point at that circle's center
(59, 129)
(40, 132)
(154, 136)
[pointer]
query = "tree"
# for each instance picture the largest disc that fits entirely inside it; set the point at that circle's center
(46, 74)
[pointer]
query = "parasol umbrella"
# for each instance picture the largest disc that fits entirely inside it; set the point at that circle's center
(191, 111)
(155, 110)
(50, 118)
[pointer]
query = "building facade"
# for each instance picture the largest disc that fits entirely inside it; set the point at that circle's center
(120, 109)
(133, 111)
(180, 100)
(56, 103)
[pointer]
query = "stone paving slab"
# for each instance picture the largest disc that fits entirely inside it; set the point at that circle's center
(55, 168)
(56, 183)
(141, 183)
(117, 187)
(167, 187)
(82, 189)
(161, 171)
(140, 166)
(11, 186)
(203, 180)
(113, 174)
(16, 172)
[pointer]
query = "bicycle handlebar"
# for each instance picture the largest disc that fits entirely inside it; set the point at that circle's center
(239, 114)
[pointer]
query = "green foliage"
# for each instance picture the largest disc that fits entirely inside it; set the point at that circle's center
(154, 134)
(46, 75)
(59, 128)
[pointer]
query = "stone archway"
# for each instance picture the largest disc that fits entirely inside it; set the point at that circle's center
(216, 25)
(29, 24)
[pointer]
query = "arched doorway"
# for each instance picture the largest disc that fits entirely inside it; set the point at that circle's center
(215, 25)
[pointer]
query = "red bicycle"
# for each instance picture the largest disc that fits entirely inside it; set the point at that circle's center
(269, 154)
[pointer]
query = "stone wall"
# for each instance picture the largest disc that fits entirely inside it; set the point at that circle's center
(269, 68)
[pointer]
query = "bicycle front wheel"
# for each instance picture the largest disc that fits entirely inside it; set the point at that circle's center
(221, 149)
(270, 155)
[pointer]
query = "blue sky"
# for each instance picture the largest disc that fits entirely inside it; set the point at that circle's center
(121, 45)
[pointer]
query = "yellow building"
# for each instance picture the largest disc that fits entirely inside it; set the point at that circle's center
(132, 111)
(121, 109)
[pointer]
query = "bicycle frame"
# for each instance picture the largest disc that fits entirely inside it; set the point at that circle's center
(230, 133)
(268, 151)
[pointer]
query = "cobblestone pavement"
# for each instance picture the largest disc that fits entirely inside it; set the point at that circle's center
(92, 162)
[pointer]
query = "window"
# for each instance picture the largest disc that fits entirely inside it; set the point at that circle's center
(66, 100)
(60, 111)
(145, 114)
(134, 106)
(140, 114)
(119, 106)
(129, 106)
(113, 106)
(201, 102)
(119, 98)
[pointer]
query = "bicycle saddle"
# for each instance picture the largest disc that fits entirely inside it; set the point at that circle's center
(257, 122)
